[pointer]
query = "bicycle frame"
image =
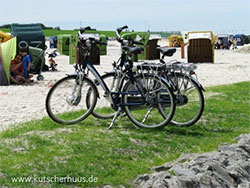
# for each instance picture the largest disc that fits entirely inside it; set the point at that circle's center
(112, 97)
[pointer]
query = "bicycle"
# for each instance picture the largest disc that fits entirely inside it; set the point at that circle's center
(148, 101)
(187, 90)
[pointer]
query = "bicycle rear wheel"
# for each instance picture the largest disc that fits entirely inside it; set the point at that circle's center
(189, 100)
(159, 100)
(64, 106)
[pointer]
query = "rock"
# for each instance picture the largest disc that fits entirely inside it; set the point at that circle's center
(229, 167)
(162, 168)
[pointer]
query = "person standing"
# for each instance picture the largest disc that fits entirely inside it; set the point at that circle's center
(26, 62)
(234, 41)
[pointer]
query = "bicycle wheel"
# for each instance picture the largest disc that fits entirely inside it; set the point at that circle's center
(189, 100)
(64, 106)
(159, 99)
(103, 109)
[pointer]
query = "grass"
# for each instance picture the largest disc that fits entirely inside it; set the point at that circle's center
(52, 32)
(116, 157)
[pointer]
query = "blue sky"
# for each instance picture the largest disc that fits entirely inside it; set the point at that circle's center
(220, 16)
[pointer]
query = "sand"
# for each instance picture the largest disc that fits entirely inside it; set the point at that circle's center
(20, 103)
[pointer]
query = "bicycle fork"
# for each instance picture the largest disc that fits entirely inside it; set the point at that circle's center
(76, 95)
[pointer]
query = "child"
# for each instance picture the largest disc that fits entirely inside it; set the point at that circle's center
(26, 62)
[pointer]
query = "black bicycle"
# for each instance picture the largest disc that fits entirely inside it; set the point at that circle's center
(181, 76)
(183, 80)
(146, 99)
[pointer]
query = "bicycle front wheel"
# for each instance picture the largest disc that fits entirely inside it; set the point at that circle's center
(155, 109)
(65, 102)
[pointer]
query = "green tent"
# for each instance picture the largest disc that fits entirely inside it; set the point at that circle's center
(29, 35)
(7, 53)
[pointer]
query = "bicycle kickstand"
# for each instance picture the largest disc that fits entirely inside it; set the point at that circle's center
(114, 118)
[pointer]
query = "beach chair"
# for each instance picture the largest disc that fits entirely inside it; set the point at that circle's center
(37, 56)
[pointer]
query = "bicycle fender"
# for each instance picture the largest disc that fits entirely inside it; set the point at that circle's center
(198, 83)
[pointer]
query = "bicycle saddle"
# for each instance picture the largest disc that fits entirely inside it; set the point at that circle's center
(133, 50)
(167, 51)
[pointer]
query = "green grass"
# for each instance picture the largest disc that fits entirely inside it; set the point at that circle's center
(52, 32)
(5, 30)
(118, 156)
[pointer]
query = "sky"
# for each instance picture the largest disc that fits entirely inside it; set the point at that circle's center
(219, 16)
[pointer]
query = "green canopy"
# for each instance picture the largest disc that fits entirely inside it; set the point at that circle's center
(29, 35)
(7, 53)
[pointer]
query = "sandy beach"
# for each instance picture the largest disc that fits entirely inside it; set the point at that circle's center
(20, 103)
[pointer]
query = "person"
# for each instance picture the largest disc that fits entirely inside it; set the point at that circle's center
(16, 75)
(16, 65)
(220, 44)
(16, 71)
(234, 41)
(26, 63)
(17, 79)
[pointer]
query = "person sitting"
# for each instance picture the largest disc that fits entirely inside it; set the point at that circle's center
(16, 65)
(16, 71)
(17, 79)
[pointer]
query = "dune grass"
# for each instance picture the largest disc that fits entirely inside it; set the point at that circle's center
(116, 157)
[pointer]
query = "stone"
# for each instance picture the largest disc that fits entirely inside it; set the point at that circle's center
(229, 167)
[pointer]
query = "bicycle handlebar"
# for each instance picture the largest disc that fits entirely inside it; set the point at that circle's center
(118, 31)
(90, 39)
(121, 40)
(83, 29)
(138, 42)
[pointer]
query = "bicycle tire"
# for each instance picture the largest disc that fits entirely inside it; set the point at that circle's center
(160, 89)
(189, 113)
(58, 105)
